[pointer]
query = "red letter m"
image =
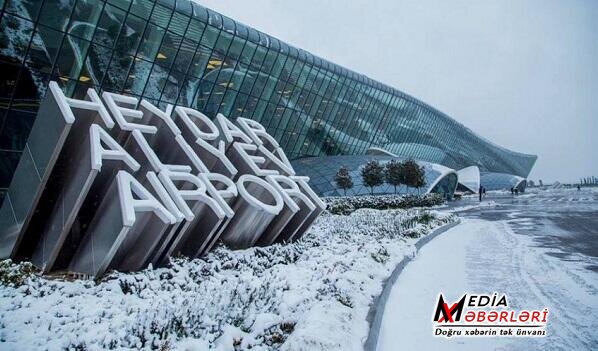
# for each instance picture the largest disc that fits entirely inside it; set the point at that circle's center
(448, 313)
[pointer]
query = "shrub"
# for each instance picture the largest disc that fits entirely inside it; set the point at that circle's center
(347, 205)
(15, 274)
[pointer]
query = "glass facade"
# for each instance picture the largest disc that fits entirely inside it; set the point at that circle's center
(178, 52)
(501, 181)
(322, 170)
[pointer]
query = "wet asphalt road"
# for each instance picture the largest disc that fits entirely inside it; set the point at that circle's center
(565, 221)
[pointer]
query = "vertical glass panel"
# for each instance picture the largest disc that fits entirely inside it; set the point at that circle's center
(239, 106)
(171, 90)
(178, 23)
(85, 18)
(214, 65)
(258, 58)
(161, 16)
(117, 73)
(15, 41)
(53, 14)
(8, 81)
(123, 4)
(195, 30)
(130, 35)
(140, 71)
(187, 91)
(168, 50)
(25, 8)
(97, 61)
(210, 35)
(184, 56)
(16, 130)
(223, 42)
(71, 57)
(236, 48)
(155, 83)
(109, 26)
(200, 61)
(8, 164)
(142, 8)
(43, 51)
(152, 39)
(25, 96)
(247, 53)
(203, 93)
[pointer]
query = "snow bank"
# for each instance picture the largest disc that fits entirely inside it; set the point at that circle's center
(309, 295)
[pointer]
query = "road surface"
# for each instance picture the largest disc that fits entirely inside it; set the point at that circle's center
(540, 249)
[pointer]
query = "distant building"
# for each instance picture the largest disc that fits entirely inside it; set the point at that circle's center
(179, 52)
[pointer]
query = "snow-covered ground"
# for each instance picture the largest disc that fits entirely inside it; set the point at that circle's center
(310, 295)
(481, 256)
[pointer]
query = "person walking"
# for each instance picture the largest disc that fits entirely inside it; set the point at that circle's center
(480, 192)
(512, 191)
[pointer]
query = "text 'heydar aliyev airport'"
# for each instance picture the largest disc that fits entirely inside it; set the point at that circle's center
(178, 52)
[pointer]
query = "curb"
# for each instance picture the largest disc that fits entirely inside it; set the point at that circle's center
(376, 311)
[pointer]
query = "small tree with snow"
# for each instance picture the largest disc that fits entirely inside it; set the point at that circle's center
(394, 173)
(343, 179)
(415, 176)
(420, 178)
(372, 174)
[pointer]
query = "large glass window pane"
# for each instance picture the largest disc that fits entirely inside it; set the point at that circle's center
(178, 23)
(26, 96)
(140, 71)
(168, 49)
(52, 12)
(200, 61)
(85, 18)
(171, 90)
(109, 26)
(184, 56)
(161, 16)
(210, 35)
(142, 8)
(71, 57)
(247, 54)
(8, 74)
(43, 52)
(98, 57)
(15, 39)
(123, 4)
(8, 164)
(16, 130)
(24, 8)
(117, 73)
(152, 39)
(130, 35)
(195, 30)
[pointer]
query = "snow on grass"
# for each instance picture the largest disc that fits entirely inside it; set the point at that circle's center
(309, 295)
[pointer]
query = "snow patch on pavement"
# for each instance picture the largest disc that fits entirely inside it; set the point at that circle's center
(481, 256)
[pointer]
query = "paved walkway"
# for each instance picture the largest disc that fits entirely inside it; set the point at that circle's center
(539, 249)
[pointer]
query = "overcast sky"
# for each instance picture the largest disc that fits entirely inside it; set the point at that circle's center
(523, 74)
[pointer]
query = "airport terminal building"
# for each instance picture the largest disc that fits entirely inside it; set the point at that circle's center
(178, 52)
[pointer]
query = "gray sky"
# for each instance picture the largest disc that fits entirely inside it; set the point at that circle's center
(523, 74)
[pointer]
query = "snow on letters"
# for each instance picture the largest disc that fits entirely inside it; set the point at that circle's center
(118, 183)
